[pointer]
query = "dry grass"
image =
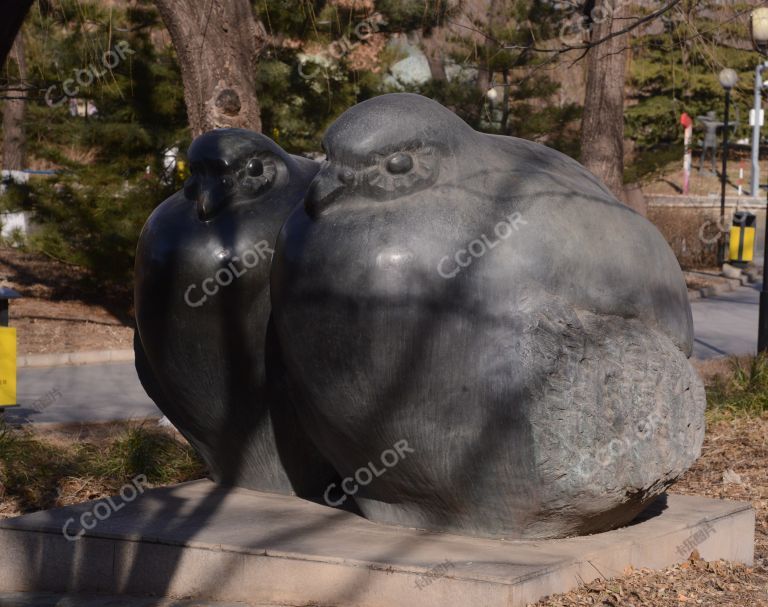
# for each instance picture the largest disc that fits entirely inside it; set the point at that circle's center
(47, 468)
(736, 386)
(714, 370)
(696, 582)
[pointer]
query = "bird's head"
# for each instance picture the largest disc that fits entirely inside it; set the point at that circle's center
(387, 147)
(232, 165)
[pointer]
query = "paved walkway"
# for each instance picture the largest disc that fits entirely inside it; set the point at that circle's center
(83, 393)
(726, 324)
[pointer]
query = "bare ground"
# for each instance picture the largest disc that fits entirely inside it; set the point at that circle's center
(670, 179)
(62, 310)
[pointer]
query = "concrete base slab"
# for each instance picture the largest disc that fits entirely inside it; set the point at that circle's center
(50, 599)
(197, 540)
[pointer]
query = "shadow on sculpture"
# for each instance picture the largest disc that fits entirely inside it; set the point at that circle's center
(526, 383)
(202, 312)
(480, 306)
(202, 354)
(487, 300)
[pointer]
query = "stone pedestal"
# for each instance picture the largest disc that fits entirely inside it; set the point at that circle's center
(197, 540)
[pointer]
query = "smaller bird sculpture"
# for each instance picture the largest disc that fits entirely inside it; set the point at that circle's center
(204, 350)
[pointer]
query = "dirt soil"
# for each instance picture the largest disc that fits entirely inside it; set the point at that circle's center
(732, 466)
(62, 310)
(670, 179)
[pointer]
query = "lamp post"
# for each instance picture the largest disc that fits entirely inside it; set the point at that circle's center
(754, 181)
(728, 79)
(758, 25)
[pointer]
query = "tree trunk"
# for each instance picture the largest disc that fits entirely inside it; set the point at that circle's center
(14, 138)
(431, 45)
(505, 104)
(602, 124)
(218, 45)
(10, 24)
(484, 71)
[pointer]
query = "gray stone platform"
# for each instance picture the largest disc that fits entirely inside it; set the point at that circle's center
(49, 599)
(197, 540)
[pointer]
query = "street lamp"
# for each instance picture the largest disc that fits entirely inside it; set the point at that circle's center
(728, 78)
(758, 25)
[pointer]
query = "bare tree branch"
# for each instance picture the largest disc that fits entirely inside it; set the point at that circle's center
(570, 47)
(634, 25)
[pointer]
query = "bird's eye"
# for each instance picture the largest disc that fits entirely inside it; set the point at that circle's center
(400, 163)
(259, 174)
(254, 168)
(347, 176)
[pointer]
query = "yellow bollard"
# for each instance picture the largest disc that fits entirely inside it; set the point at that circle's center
(7, 367)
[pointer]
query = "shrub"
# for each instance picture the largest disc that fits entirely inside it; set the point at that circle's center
(690, 232)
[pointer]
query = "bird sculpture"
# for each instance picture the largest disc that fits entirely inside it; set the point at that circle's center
(204, 350)
(483, 307)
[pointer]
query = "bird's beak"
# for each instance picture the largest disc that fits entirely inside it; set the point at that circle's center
(209, 197)
(206, 205)
(326, 187)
